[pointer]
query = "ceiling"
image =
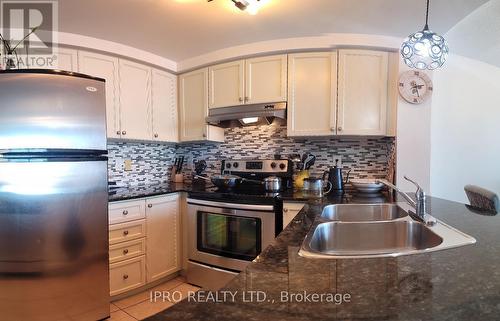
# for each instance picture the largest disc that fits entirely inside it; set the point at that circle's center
(182, 29)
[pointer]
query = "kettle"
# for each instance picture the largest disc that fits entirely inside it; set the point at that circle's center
(334, 175)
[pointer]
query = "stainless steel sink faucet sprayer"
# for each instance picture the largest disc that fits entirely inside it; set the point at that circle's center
(420, 213)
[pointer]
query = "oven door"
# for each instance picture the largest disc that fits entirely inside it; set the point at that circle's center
(228, 235)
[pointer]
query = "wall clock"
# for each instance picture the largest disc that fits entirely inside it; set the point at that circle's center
(415, 86)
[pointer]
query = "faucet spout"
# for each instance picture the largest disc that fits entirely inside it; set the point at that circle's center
(419, 205)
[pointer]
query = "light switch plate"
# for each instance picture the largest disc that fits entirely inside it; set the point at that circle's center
(127, 165)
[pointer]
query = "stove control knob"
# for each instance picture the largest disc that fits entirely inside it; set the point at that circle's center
(228, 165)
(235, 165)
(282, 166)
(273, 165)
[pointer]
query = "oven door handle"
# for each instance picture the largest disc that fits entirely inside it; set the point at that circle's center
(229, 206)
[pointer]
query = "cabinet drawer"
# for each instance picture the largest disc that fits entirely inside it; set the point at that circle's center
(127, 231)
(126, 211)
(127, 275)
(127, 250)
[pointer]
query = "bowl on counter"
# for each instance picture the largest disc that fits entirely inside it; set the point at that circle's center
(367, 185)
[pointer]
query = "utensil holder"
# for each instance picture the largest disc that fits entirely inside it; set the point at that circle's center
(178, 178)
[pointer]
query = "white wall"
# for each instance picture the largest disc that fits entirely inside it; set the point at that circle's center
(465, 128)
(413, 142)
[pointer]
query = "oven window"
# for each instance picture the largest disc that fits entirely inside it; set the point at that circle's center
(229, 236)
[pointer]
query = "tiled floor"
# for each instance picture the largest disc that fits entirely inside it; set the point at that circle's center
(139, 306)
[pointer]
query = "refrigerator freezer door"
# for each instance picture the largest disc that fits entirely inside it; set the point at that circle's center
(51, 111)
(53, 240)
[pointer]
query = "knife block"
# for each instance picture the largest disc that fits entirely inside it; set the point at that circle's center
(176, 178)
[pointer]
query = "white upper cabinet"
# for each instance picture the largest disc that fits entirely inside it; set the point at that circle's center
(362, 92)
(135, 100)
(227, 85)
(266, 79)
(193, 108)
(67, 60)
(163, 236)
(105, 67)
(312, 94)
(164, 106)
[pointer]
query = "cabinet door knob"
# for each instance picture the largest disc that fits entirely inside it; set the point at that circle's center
(156, 135)
(240, 99)
(150, 205)
(246, 99)
(124, 133)
(125, 212)
(285, 210)
(125, 233)
(118, 132)
(204, 135)
(125, 276)
(339, 129)
(125, 252)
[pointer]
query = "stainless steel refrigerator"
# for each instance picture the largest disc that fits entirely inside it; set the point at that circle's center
(53, 197)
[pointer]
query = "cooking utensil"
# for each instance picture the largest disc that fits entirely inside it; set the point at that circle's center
(310, 160)
(272, 184)
(181, 163)
(316, 187)
(224, 181)
(200, 166)
(334, 175)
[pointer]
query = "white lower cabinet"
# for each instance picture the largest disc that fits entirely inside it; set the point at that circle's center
(163, 236)
(144, 243)
(290, 210)
(127, 275)
(127, 250)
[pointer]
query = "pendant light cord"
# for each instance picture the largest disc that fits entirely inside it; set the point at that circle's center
(427, 17)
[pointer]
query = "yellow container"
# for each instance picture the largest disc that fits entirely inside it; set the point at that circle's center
(298, 183)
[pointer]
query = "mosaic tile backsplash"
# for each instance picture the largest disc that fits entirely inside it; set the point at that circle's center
(151, 163)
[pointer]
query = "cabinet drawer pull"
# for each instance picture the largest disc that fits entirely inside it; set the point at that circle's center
(125, 212)
(125, 232)
(150, 205)
(156, 135)
(125, 276)
(240, 99)
(124, 132)
(285, 210)
(118, 132)
(246, 99)
(125, 252)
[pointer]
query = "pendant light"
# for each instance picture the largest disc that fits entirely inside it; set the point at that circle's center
(424, 49)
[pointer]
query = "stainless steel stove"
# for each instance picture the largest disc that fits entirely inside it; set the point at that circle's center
(229, 228)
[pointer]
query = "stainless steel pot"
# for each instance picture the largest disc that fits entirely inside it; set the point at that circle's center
(272, 184)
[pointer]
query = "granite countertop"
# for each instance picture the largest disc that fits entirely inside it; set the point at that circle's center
(140, 191)
(455, 284)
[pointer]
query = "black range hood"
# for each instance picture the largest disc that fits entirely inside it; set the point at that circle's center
(246, 115)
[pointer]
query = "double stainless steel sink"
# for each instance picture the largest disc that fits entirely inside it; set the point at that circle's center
(379, 230)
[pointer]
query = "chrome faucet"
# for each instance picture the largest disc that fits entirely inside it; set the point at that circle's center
(419, 206)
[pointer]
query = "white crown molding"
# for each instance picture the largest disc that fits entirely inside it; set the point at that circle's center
(326, 41)
(84, 42)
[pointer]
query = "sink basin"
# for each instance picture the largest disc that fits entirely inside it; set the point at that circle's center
(334, 238)
(376, 230)
(362, 212)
